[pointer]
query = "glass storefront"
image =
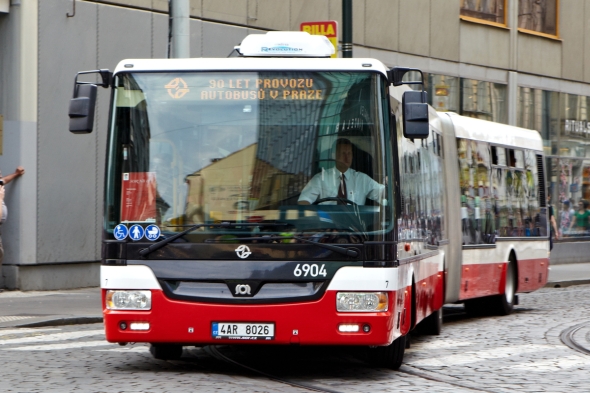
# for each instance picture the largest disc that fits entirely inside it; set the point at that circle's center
(468, 97)
(564, 123)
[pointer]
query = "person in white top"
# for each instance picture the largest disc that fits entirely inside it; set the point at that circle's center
(3, 210)
(342, 185)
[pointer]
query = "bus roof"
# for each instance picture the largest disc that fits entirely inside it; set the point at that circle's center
(251, 64)
(496, 133)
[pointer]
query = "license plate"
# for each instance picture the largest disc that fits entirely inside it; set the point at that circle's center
(243, 331)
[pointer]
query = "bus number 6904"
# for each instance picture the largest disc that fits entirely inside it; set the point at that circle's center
(312, 270)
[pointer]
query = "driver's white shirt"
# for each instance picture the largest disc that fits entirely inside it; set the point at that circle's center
(325, 184)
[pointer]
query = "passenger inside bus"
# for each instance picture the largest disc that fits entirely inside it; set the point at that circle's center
(341, 184)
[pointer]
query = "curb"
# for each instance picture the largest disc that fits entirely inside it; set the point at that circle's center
(567, 283)
(61, 322)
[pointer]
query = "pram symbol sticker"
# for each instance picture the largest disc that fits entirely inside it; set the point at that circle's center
(120, 232)
(136, 232)
(152, 232)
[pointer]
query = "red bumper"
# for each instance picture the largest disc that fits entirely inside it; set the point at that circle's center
(310, 323)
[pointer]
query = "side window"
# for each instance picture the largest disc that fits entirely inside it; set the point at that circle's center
(436, 195)
(498, 156)
(477, 223)
(421, 191)
(409, 224)
(515, 186)
(531, 193)
(499, 200)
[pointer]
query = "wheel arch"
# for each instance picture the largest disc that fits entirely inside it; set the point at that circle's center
(513, 258)
(413, 304)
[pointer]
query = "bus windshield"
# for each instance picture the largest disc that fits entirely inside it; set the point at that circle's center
(267, 147)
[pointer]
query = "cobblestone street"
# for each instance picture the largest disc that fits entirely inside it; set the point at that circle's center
(522, 352)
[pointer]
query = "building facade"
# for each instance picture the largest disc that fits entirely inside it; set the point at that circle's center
(519, 62)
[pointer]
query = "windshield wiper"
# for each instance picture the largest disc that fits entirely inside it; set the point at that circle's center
(351, 252)
(156, 246)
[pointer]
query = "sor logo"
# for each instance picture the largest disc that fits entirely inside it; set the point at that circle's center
(243, 289)
(243, 251)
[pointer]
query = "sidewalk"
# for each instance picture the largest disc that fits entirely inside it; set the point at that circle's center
(77, 306)
(50, 308)
(561, 276)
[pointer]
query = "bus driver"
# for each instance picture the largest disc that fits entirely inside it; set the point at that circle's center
(342, 182)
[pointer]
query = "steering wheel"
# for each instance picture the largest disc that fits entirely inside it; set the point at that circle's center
(347, 201)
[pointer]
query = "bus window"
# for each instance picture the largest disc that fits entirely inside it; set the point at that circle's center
(519, 159)
(498, 156)
(516, 158)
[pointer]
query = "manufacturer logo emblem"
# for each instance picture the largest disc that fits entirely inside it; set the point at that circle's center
(243, 289)
(243, 251)
(177, 88)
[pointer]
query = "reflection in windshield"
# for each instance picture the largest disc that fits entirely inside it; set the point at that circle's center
(192, 148)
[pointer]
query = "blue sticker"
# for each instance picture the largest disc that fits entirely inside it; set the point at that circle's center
(136, 232)
(121, 232)
(152, 232)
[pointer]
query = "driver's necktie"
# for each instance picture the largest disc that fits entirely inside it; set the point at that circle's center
(342, 191)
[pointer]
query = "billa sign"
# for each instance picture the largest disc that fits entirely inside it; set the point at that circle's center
(328, 28)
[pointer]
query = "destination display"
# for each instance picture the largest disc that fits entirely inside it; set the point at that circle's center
(261, 89)
(222, 88)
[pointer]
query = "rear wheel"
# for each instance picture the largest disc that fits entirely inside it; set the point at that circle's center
(166, 351)
(390, 356)
(504, 304)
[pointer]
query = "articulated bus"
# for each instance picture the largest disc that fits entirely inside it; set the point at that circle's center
(227, 219)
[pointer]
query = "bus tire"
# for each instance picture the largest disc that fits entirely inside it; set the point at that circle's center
(166, 351)
(432, 324)
(503, 304)
(390, 356)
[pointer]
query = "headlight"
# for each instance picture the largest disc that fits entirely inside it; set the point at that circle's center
(129, 300)
(361, 301)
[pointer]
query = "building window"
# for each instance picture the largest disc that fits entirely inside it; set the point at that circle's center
(538, 16)
(493, 11)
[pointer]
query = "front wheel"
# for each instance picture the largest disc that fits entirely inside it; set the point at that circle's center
(390, 356)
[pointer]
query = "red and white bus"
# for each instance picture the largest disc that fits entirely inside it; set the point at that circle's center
(208, 239)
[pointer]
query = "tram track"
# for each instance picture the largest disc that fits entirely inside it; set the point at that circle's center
(214, 352)
(450, 314)
(567, 337)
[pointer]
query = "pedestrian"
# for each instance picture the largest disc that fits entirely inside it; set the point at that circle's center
(4, 212)
(565, 218)
(581, 221)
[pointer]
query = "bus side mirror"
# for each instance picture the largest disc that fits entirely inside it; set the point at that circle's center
(84, 101)
(82, 109)
(415, 110)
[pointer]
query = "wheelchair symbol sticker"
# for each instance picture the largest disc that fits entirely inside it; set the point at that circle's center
(120, 232)
(152, 232)
(136, 232)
